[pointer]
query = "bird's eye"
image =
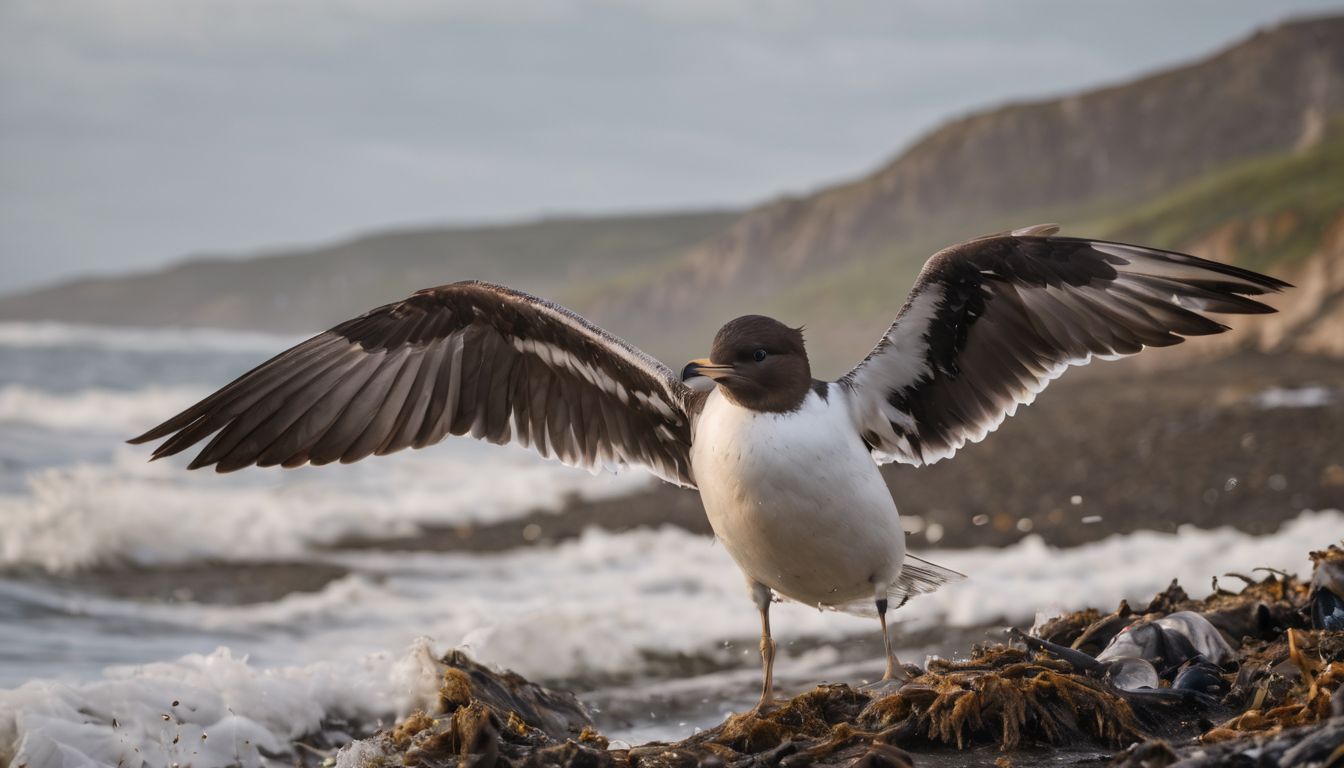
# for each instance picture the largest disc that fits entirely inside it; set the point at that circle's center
(758, 355)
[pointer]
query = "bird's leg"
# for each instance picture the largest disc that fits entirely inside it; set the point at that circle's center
(895, 672)
(760, 594)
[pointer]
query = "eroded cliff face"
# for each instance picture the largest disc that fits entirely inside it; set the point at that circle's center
(841, 260)
(1311, 315)
(1271, 93)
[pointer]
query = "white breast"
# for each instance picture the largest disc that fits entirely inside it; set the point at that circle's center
(797, 500)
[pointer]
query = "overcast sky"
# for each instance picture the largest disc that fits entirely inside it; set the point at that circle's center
(138, 132)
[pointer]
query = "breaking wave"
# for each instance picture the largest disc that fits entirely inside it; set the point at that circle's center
(130, 511)
(52, 334)
(104, 410)
(602, 603)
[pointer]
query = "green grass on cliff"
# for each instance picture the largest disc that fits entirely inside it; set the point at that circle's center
(1278, 207)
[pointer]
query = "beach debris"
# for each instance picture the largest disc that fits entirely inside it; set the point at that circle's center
(1097, 634)
(1327, 590)
(1133, 674)
(487, 718)
(1182, 682)
(1170, 641)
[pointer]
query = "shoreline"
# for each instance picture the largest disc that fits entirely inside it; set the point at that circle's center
(1188, 446)
(1272, 691)
(1046, 472)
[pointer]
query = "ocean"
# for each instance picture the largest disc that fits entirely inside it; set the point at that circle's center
(264, 606)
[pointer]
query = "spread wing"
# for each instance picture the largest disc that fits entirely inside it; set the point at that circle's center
(990, 322)
(467, 358)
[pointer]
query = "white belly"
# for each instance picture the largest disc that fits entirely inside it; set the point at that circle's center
(797, 500)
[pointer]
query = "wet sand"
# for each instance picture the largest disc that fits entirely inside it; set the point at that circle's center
(205, 582)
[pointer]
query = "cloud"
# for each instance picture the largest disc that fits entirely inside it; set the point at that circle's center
(137, 131)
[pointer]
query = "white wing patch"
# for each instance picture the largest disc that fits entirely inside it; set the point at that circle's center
(562, 358)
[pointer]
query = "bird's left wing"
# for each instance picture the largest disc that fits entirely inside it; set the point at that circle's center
(466, 358)
(991, 321)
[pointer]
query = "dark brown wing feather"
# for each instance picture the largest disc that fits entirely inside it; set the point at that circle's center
(989, 323)
(467, 358)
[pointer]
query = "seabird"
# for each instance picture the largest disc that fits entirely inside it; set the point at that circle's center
(786, 465)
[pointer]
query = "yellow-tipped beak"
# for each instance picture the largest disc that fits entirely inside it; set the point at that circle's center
(703, 367)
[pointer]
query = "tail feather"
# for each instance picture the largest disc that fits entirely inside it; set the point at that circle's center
(918, 577)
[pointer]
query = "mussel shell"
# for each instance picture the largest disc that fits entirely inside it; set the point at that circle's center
(1201, 676)
(1327, 610)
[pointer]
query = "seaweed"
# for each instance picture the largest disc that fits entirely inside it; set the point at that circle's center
(1277, 699)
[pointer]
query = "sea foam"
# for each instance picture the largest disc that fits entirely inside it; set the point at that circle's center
(605, 603)
(129, 510)
(53, 334)
(121, 412)
(205, 710)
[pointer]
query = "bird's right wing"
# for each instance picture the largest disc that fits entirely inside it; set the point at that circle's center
(466, 358)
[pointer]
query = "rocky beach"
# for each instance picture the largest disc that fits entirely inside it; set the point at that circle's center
(1249, 675)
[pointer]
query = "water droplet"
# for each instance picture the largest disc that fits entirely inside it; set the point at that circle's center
(934, 533)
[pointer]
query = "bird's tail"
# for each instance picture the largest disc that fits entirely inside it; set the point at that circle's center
(918, 577)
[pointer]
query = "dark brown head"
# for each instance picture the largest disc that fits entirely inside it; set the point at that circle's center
(759, 362)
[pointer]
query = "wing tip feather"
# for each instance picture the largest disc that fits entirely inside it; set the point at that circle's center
(162, 430)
